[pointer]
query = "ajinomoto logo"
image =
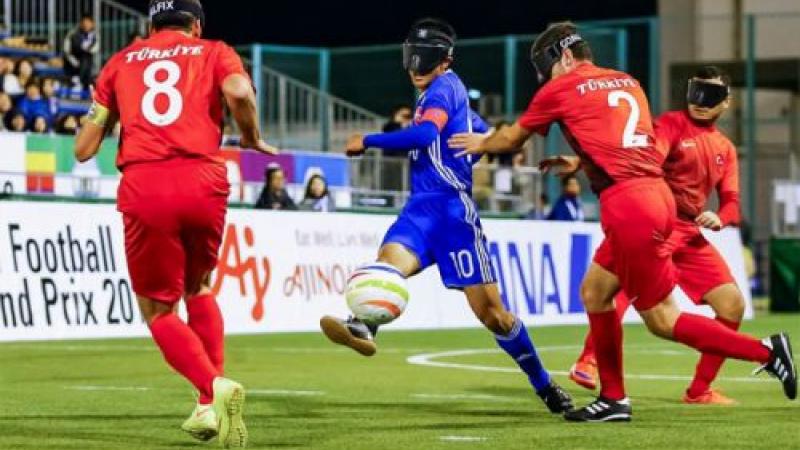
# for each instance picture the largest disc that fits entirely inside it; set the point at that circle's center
(254, 268)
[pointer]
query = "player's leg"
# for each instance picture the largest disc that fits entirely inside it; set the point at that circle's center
(598, 290)
(599, 284)
(156, 265)
(202, 221)
(512, 336)
(202, 235)
(709, 336)
(584, 371)
(706, 279)
(463, 261)
(404, 250)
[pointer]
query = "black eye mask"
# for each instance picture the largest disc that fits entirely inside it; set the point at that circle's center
(706, 95)
(544, 60)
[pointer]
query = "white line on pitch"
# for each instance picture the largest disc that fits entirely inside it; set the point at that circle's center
(108, 388)
(265, 392)
(427, 359)
(482, 397)
(284, 392)
(451, 438)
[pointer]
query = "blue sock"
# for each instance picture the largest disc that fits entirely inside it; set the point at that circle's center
(518, 345)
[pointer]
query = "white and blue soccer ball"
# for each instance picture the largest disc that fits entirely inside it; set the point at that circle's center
(377, 293)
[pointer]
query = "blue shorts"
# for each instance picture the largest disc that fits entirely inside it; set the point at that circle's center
(444, 229)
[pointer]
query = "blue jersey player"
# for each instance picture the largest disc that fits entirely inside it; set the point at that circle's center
(439, 224)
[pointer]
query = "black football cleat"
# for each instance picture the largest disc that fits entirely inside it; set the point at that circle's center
(781, 365)
(351, 333)
(602, 410)
(555, 398)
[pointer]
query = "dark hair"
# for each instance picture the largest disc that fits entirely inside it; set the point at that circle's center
(87, 16)
(270, 172)
(308, 194)
(33, 83)
(174, 20)
(565, 180)
(558, 31)
(436, 24)
(19, 64)
(711, 72)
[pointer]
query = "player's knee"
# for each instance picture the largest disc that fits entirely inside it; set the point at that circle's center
(733, 309)
(497, 321)
(660, 321)
(593, 298)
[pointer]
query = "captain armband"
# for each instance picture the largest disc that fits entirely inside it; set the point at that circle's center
(98, 115)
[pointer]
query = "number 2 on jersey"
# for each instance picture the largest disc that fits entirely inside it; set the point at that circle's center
(166, 87)
(629, 137)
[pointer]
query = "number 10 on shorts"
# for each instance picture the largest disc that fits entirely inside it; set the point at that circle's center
(462, 261)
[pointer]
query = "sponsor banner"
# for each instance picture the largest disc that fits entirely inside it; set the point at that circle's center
(63, 271)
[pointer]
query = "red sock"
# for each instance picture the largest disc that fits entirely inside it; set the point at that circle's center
(205, 319)
(621, 304)
(184, 351)
(606, 330)
(709, 366)
(710, 336)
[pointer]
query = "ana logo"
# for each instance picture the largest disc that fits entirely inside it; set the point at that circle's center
(231, 265)
(688, 143)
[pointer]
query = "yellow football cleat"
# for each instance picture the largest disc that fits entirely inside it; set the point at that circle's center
(229, 406)
(202, 424)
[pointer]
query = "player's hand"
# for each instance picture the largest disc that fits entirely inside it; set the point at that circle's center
(710, 220)
(259, 146)
(355, 145)
(567, 165)
(470, 143)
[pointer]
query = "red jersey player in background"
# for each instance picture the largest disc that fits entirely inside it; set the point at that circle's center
(700, 159)
(168, 92)
(605, 116)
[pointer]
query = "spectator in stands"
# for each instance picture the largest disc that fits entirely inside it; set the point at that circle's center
(9, 82)
(67, 124)
(6, 105)
(568, 207)
(48, 89)
(401, 118)
(40, 125)
(17, 123)
(274, 195)
(542, 208)
(24, 73)
(80, 46)
(317, 196)
(33, 104)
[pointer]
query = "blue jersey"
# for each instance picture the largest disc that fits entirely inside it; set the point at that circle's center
(436, 169)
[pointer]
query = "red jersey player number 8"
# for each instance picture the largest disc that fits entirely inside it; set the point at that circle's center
(629, 137)
(166, 87)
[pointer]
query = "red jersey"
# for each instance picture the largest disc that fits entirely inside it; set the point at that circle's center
(700, 159)
(167, 91)
(605, 117)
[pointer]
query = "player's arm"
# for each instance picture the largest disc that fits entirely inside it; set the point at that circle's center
(729, 212)
(241, 100)
(507, 140)
(419, 135)
(542, 111)
(100, 121)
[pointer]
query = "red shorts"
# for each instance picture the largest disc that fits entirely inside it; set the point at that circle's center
(637, 218)
(174, 215)
(700, 266)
